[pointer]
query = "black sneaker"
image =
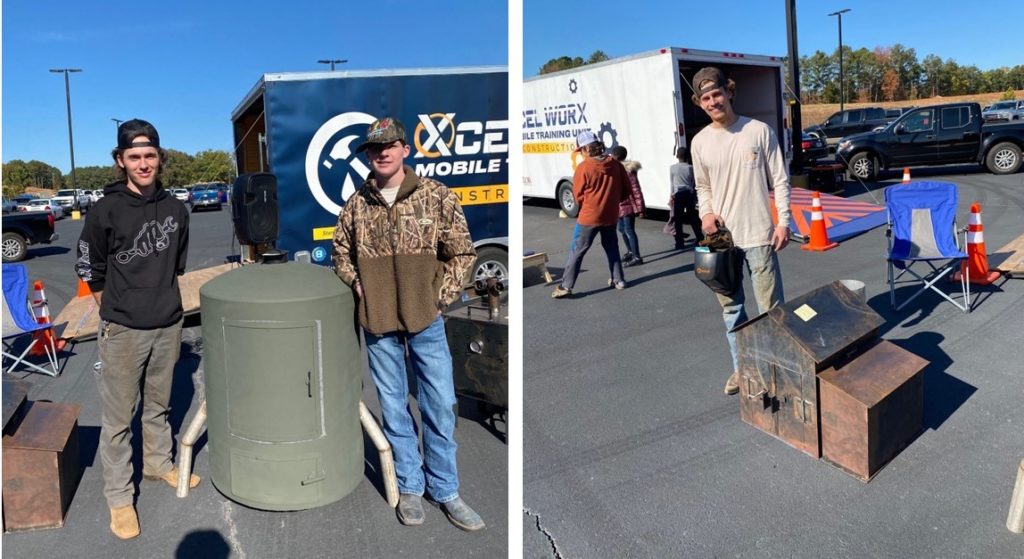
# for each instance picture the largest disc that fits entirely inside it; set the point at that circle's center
(635, 261)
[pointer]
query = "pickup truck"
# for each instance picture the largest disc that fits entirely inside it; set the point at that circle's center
(936, 135)
(23, 229)
(1004, 110)
(850, 121)
(73, 199)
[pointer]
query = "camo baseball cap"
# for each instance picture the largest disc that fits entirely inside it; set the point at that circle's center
(711, 74)
(383, 131)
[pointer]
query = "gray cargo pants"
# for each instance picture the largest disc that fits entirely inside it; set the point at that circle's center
(130, 358)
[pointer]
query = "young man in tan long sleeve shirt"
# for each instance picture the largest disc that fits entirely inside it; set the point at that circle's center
(736, 162)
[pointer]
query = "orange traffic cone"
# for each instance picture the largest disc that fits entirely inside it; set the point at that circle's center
(41, 311)
(83, 289)
(976, 266)
(819, 234)
(906, 175)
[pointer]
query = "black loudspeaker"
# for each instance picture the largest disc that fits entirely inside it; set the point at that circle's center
(254, 208)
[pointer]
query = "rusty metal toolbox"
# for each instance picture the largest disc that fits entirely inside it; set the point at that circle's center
(478, 341)
(782, 351)
(41, 467)
(871, 408)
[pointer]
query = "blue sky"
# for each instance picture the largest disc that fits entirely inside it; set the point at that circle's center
(184, 65)
(985, 33)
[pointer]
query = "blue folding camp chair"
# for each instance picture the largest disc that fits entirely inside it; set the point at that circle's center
(922, 229)
(19, 322)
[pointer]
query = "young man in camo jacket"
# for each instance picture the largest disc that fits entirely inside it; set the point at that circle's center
(403, 245)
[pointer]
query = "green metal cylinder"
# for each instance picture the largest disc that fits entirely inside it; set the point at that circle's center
(283, 382)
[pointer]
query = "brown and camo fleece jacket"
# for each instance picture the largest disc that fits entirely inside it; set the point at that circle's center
(410, 258)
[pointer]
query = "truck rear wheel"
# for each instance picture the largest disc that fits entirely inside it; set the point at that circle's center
(14, 247)
(566, 200)
(1003, 159)
(864, 166)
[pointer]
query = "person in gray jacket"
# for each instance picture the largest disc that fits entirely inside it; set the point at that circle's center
(684, 198)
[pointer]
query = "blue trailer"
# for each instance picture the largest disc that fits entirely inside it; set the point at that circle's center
(304, 127)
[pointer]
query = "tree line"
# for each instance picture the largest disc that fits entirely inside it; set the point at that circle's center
(895, 74)
(180, 169)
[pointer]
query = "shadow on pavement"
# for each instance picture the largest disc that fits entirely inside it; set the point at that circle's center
(943, 393)
(203, 544)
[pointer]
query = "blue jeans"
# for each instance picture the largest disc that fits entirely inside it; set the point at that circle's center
(627, 226)
(610, 244)
(762, 264)
(431, 361)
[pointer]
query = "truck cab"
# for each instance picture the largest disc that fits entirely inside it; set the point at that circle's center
(936, 135)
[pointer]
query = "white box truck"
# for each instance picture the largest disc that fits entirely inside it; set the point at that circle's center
(641, 102)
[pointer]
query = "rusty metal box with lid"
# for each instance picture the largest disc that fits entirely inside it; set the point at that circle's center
(41, 467)
(782, 351)
(871, 408)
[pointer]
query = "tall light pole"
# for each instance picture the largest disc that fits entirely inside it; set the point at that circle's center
(842, 84)
(71, 137)
(332, 62)
(117, 123)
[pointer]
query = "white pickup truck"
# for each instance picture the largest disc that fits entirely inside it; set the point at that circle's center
(74, 199)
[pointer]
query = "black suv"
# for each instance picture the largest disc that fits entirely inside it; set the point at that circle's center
(850, 121)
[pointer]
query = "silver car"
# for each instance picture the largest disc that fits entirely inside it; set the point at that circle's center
(44, 205)
(180, 194)
(1004, 110)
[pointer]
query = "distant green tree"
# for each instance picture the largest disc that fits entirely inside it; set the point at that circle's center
(1008, 95)
(93, 177)
(213, 166)
(566, 63)
(177, 169)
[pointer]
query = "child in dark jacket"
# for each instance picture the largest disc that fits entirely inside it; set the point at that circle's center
(629, 209)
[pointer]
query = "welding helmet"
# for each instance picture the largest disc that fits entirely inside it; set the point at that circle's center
(721, 270)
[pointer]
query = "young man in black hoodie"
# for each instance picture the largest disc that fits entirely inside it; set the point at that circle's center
(131, 252)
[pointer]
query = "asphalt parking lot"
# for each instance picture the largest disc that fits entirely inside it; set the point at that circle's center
(207, 524)
(632, 450)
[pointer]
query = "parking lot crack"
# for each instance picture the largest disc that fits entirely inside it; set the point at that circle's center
(547, 534)
(232, 530)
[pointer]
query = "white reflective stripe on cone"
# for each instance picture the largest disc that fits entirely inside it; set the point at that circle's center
(816, 216)
(975, 237)
(975, 219)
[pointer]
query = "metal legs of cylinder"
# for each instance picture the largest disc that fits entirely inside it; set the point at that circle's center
(1015, 520)
(387, 462)
(185, 449)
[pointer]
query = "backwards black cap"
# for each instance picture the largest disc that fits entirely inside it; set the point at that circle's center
(131, 129)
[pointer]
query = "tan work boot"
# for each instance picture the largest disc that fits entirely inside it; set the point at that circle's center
(732, 385)
(124, 523)
(171, 478)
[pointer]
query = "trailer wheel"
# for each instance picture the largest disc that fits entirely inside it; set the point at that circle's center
(14, 247)
(566, 200)
(1003, 159)
(490, 261)
(864, 166)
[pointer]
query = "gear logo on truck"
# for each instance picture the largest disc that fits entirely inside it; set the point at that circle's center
(331, 159)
